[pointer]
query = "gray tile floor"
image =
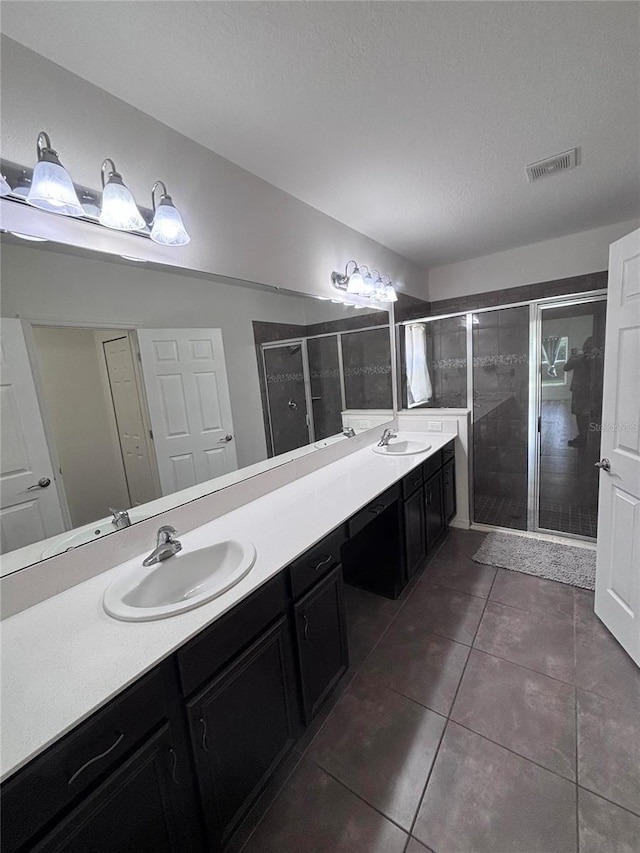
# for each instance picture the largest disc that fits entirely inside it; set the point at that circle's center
(484, 712)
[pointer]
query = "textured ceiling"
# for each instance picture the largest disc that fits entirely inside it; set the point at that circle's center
(409, 121)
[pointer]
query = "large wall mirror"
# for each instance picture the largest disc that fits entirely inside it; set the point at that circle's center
(129, 386)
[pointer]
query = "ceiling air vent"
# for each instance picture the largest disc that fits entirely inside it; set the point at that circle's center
(552, 165)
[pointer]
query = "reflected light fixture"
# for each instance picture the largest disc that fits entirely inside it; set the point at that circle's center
(51, 186)
(23, 186)
(371, 285)
(118, 209)
(5, 189)
(168, 228)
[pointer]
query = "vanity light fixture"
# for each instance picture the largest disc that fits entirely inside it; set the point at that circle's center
(371, 285)
(167, 228)
(119, 209)
(5, 189)
(51, 186)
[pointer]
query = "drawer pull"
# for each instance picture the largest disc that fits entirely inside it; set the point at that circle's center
(377, 509)
(174, 768)
(446, 478)
(306, 627)
(429, 496)
(322, 563)
(95, 758)
(204, 735)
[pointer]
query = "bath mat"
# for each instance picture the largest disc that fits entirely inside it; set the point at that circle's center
(564, 563)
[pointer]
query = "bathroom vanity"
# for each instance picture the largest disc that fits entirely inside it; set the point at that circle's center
(174, 758)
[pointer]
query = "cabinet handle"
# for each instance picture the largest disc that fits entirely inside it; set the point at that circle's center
(174, 775)
(95, 758)
(204, 735)
(306, 626)
(446, 478)
(428, 496)
(378, 508)
(322, 563)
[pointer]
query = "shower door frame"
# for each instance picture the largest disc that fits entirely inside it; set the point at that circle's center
(536, 311)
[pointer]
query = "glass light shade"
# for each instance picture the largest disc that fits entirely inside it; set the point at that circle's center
(22, 188)
(368, 287)
(5, 189)
(355, 283)
(389, 294)
(52, 190)
(119, 209)
(168, 228)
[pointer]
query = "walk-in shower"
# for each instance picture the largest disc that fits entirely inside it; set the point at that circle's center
(532, 375)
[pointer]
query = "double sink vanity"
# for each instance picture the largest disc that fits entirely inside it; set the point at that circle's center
(147, 708)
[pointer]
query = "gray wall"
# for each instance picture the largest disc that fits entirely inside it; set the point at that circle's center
(240, 226)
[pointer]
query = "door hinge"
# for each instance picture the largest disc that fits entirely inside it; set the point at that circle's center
(151, 434)
(139, 356)
(539, 423)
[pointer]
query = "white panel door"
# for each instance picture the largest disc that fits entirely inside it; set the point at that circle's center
(618, 565)
(188, 396)
(136, 456)
(29, 511)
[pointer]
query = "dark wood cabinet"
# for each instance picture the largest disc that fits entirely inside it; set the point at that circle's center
(242, 725)
(449, 490)
(145, 805)
(414, 532)
(321, 631)
(434, 517)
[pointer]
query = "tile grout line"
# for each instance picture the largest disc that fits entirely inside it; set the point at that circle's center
(448, 719)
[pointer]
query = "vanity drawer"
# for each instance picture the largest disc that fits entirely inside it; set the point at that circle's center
(374, 509)
(317, 562)
(411, 482)
(431, 465)
(52, 781)
(207, 653)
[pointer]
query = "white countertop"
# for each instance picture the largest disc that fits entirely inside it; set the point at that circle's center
(65, 658)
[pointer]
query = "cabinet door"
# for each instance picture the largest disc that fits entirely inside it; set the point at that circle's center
(146, 805)
(414, 532)
(242, 725)
(434, 521)
(449, 490)
(323, 652)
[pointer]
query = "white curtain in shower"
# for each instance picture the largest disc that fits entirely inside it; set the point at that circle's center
(419, 389)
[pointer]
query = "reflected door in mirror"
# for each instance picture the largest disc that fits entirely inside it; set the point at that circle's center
(188, 394)
(30, 503)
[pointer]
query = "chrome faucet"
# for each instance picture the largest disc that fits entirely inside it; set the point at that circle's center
(387, 435)
(349, 432)
(167, 545)
(120, 518)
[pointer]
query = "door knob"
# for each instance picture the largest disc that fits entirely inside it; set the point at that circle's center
(292, 405)
(226, 438)
(42, 483)
(604, 464)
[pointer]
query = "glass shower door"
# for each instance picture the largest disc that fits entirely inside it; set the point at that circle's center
(286, 390)
(326, 385)
(570, 416)
(501, 416)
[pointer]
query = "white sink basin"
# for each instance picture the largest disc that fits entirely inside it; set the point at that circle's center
(179, 583)
(402, 447)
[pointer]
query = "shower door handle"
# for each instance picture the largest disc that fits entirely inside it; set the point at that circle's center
(604, 464)
(292, 405)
